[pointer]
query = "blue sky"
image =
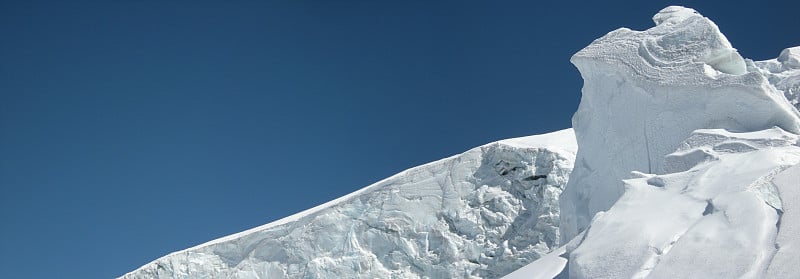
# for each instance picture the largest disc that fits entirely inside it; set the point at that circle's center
(131, 129)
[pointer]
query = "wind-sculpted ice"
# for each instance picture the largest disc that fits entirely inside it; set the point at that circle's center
(784, 73)
(688, 163)
(646, 91)
(727, 207)
(481, 214)
(722, 217)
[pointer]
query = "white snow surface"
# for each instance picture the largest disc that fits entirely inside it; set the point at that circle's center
(717, 219)
(480, 214)
(728, 209)
(646, 91)
(784, 262)
(783, 73)
(546, 267)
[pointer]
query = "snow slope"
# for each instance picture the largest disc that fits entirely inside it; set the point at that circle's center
(718, 219)
(689, 159)
(483, 213)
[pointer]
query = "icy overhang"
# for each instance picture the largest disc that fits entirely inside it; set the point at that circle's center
(646, 91)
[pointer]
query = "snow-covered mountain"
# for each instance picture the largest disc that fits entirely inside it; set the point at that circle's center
(483, 213)
(688, 167)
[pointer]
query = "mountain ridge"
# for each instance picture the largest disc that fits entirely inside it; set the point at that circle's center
(682, 163)
(476, 211)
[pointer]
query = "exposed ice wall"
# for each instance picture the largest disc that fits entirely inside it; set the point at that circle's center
(645, 91)
(480, 214)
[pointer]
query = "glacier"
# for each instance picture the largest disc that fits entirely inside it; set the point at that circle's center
(482, 214)
(683, 162)
(646, 91)
(688, 159)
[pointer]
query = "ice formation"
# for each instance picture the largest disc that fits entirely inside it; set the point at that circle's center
(483, 213)
(720, 218)
(688, 163)
(688, 167)
(646, 91)
(784, 73)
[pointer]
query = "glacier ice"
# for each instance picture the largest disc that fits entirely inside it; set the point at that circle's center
(717, 219)
(783, 73)
(689, 159)
(646, 91)
(483, 213)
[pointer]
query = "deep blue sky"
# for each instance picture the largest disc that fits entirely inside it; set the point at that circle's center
(130, 129)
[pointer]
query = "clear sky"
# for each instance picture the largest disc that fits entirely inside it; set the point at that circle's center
(131, 129)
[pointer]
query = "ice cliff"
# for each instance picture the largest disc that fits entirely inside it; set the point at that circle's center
(646, 91)
(483, 213)
(688, 159)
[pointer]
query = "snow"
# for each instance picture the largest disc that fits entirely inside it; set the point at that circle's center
(689, 159)
(783, 73)
(714, 220)
(790, 58)
(547, 267)
(483, 213)
(784, 262)
(646, 91)
(563, 141)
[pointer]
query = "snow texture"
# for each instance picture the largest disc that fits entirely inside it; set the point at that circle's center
(689, 159)
(547, 267)
(784, 262)
(718, 219)
(480, 214)
(646, 91)
(783, 73)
